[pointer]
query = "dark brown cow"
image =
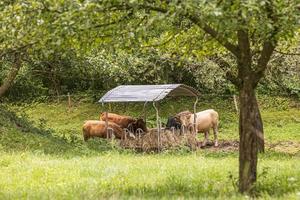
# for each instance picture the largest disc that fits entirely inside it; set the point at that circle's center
(138, 124)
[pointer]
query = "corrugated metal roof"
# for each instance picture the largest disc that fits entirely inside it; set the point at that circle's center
(146, 93)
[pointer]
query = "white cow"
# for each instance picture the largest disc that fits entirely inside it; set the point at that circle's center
(205, 120)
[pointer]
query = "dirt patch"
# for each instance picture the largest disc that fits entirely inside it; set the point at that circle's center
(290, 147)
(224, 145)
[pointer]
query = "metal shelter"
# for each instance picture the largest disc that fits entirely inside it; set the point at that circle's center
(150, 93)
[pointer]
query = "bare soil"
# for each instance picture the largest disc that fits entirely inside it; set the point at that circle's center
(224, 145)
(291, 147)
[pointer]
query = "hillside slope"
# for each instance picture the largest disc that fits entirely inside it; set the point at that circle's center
(19, 134)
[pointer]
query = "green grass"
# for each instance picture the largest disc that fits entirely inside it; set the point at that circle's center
(196, 175)
(42, 156)
(282, 124)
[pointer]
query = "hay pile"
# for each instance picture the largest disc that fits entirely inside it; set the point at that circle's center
(168, 140)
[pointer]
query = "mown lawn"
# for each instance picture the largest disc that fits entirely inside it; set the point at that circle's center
(50, 160)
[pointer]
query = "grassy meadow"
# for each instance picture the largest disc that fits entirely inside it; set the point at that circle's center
(43, 156)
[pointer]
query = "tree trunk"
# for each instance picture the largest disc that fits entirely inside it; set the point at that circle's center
(259, 132)
(7, 83)
(250, 129)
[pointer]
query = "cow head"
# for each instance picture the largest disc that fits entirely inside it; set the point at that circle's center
(173, 122)
(138, 123)
(185, 119)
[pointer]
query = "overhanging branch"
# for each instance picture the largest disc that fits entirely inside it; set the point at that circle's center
(120, 20)
(10, 77)
(16, 50)
(191, 16)
(268, 46)
(287, 53)
(264, 58)
(214, 33)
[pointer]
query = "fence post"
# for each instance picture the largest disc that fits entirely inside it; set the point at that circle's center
(69, 101)
(235, 104)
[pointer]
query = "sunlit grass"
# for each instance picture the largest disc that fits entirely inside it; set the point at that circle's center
(36, 176)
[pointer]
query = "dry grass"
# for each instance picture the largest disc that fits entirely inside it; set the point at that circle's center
(168, 140)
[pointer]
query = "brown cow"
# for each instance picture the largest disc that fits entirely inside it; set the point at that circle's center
(95, 128)
(122, 120)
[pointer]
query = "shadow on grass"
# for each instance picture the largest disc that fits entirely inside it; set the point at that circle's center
(20, 134)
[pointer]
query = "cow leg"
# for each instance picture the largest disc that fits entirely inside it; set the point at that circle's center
(196, 131)
(85, 138)
(206, 133)
(85, 135)
(216, 136)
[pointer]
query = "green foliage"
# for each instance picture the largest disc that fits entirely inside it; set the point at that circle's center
(141, 68)
(26, 86)
(283, 76)
(69, 46)
(31, 25)
(57, 74)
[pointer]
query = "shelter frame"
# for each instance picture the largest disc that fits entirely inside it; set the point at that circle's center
(148, 93)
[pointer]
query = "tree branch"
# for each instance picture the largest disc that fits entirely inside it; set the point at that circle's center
(164, 42)
(243, 40)
(122, 19)
(205, 27)
(268, 46)
(244, 59)
(17, 49)
(213, 33)
(287, 53)
(264, 58)
(194, 18)
(8, 81)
